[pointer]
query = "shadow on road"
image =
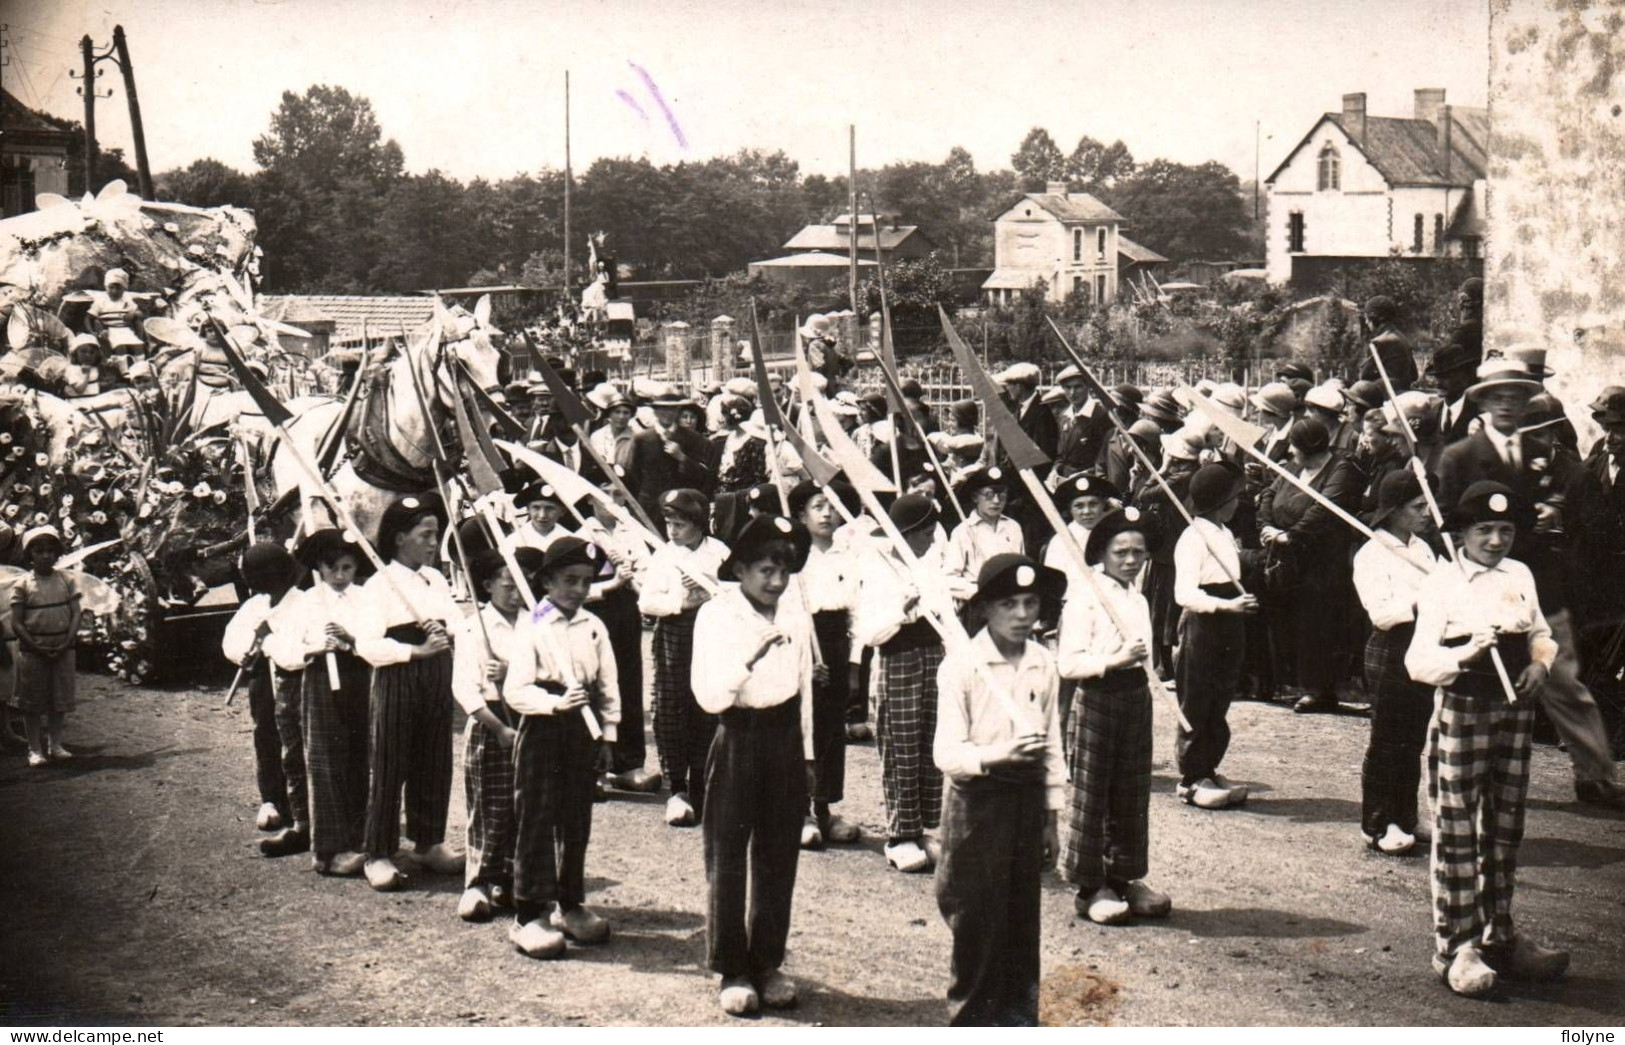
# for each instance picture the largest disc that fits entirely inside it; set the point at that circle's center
(88, 759)
(1260, 922)
(1308, 810)
(1562, 852)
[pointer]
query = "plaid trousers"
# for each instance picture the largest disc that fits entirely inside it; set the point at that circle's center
(336, 735)
(1478, 774)
(905, 728)
(488, 793)
(1106, 835)
(682, 731)
(289, 696)
(410, 713)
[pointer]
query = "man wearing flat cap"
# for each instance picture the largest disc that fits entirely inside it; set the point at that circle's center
(1020, 383)
(1085, 426)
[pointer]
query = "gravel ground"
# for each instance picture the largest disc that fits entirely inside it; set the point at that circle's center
(134, 894)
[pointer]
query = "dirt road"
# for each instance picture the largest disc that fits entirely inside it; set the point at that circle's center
(134, 894)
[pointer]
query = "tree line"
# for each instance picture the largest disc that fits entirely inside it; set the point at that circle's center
(339, 213)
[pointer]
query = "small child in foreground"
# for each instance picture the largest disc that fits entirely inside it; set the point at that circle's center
(269, 572)
(753, 669)
(1478, 746)
(45, 615)
(1005, 788)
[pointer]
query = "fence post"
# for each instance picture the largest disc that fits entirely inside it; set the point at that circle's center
(722, 332)
(678, 361)
(848, 321)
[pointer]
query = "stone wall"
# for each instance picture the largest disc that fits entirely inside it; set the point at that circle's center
(1555, 256)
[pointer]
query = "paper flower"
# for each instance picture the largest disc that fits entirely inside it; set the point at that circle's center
(67, 501)
(201, 490)
(98, 518)
(5, 438)
(45, 489)
(95, 496)
(11, 511)
(220, 497)
(42, 459)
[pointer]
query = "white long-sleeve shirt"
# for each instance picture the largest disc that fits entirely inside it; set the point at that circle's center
(829, 579)
(726, 633)
(621, 545)
(1089, 640)
(1464, 598)
(430, 594)
(661, 592)
(887, 585)
(1056, 557)
(469, 686)
(1195, 565)
(539, 638)
(242, 631)
(976, 540)
(1387, 582)
(971, 719)
(527, 536)
(299, 629)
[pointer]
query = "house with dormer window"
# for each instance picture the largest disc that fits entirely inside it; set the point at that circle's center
(1359, 187)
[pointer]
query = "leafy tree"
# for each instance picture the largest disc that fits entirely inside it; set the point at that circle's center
(425, 239)
(206, 183)
(327, 135)
(1038, 160)
(1184, 212)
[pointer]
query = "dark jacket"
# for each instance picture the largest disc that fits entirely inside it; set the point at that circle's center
(654, 472)
(1082, 441)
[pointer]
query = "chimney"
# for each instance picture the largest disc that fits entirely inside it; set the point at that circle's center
(1442, 130)
(1429, 100)
(1354, 116)
(1055, 188)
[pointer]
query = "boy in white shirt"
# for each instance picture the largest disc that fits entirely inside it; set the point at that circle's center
(1006, 779)
(753, 669)
(986, 531)
(1478, 746)
(1105, 850)
(544, 507)
(562, 664)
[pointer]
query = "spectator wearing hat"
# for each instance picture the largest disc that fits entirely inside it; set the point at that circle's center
(613, 439)
(1006, 783)
(1307, 566)
(677, 582)
(1276, 406)
(1478, 760)
(45, 614)
(1570, 509)
(1389, 570)
(1605, 569)
(908, 653)
(1121, 464)
(555, 758)
(614, 600)
(1085, 426)
(964, 416)
(1454, 367)
(666, 457)
(1020, 384)
(1212, 638)
(1128, 397)
(1379, 320)
(317, 631)
(986, 531)
(544, 507)
(828, 588)
(1105, 848)
(738, 459)
(753, 670)
(269, 574)
(409, 648)
(1164, 409)
(1164, 524)
(821, 339)
(1327, 405)
(1293, 371)
(482, 648)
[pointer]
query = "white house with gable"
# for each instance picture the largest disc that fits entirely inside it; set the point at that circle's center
(1070, 240)
(1362, 186)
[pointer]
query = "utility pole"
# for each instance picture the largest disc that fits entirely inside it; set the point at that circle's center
(87, 51)
(142, 169)
(567, 179)
(852, 215)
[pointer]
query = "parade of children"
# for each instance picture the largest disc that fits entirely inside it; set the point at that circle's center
(713, 674)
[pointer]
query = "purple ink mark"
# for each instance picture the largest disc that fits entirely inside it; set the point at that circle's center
(671, 118)
(633, 103)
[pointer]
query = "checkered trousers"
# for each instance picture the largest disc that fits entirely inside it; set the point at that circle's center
(683, 731)
(1478, 774)
(1106, 833)
(488, 785)
(905, 685)
(336, 732)
(289, 712)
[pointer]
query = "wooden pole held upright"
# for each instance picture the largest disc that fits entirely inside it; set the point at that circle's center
(143, 170)
(87, 51)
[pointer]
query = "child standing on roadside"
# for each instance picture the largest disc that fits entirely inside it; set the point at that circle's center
(45, 616)
(268, 572)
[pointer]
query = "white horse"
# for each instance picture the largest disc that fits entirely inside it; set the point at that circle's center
(439, 363)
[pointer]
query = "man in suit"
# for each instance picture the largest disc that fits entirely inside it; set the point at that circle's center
(1085, 426)
(1604, 571)
(1020, 384)
(666, 457)
(1532, 463)
(1453, 366)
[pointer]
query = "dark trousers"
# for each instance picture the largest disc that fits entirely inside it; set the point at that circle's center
(752, 825)
(1400, 713)
(554, 769)
(988, 889)
(290, 688)
(336, 738)
(619, 612)
(857, 712)
(410, 709)
(267, 742)
(682, 730)
(826, 773)
(1208, 668)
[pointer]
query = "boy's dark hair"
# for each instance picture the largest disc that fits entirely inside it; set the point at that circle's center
(779, 553)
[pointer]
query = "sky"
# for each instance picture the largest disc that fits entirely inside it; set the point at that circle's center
(475, 88)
